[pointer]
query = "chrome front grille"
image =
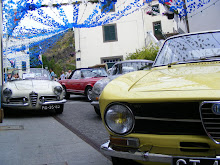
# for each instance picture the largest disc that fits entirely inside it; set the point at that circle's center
(33, 98)
(18, 100)
(168, 118)
(210, 120)
(47, 98)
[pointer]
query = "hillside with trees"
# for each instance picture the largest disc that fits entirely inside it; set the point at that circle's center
(61, 55)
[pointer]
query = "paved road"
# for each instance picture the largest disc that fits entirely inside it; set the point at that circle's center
(80, 117)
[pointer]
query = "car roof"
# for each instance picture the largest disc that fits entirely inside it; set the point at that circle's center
(193, 33)
(86, 68)
(127, 61)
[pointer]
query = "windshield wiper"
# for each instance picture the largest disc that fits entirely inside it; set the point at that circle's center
(218, 55)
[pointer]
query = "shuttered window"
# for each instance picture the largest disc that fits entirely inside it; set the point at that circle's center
(109, 33)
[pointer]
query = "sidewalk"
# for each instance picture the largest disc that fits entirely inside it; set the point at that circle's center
(44, 141)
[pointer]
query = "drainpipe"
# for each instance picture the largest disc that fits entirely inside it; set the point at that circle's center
(186, 17)
(1, 63)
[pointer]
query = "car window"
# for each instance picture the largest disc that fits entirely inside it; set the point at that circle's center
(189, 48)
(116, 69)
(127, 67)
(76, 75)
(100, 72)
(32, 73)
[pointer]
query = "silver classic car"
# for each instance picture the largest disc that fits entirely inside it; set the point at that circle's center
(117, 70)
(32, 89)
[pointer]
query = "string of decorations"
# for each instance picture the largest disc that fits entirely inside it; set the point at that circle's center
(205, 8)
(15, 13)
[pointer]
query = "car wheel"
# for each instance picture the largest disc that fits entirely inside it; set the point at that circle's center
(67, 95)
(88, 93)
(120, 161)
(97, 111)
(60, 110)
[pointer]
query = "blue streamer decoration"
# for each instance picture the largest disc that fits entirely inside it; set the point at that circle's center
(14, 12)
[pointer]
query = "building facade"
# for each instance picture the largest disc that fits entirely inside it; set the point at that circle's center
(114, 41)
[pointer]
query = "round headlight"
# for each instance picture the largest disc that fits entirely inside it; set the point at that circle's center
(119, 119)
(100, 85)
(58, 90)
(7, 92)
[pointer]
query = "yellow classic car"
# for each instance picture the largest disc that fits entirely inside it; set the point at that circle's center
(171, 113)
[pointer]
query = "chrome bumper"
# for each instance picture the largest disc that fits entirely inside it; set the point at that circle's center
(53, 102)
(135, 154)
(95, 104)
(27, 104)
(14, 105)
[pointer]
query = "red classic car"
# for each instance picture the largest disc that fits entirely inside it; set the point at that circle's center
(81, 81)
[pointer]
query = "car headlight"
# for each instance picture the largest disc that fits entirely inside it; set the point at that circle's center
(7, 92)
(100, 85)
(119, 119)
(58, 90)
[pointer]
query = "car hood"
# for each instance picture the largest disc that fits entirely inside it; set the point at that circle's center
(179, 78)
(196, 81)
(32, 84)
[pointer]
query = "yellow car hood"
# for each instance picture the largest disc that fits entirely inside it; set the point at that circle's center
(179, 78)
(196, 81)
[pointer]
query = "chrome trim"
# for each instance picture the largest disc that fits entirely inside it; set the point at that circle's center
(15, 105)
(48, 96)
(95, 104)
(129, 109)
(135, 154)
(53, 102)
(204, 123)
(167, 119)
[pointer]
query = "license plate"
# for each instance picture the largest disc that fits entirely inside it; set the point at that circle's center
(195, 161)
(50, 107)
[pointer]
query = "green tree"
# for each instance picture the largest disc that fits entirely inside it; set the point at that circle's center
(148, 53)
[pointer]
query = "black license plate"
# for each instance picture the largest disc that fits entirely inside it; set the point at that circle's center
(50, 107)
(195, 161)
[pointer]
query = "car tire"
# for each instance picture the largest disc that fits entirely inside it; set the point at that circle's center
(88, 93)
(97, 111)
(60, 110)
(67, 95)
(120, 161)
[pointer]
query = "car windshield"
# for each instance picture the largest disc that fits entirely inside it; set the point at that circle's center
(96, 72)
(127, 67)
(32, 73)
(189, 48)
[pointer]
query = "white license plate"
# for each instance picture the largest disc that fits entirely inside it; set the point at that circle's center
(50, 107)
(195, 161)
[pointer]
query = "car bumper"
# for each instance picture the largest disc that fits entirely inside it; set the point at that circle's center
(27, 104)
(135, 154)
(95, 104)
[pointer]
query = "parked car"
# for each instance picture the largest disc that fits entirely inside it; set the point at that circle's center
(81, 81)
(32, 89)
(171, 113)
(117, 69)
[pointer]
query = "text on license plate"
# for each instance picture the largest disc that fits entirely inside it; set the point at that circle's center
(50, 107)
(195, 161)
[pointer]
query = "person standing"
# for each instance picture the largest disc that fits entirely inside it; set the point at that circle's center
(52, 74)
(68, 74)
(62, 76)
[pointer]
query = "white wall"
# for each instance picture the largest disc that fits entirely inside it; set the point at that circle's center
(19, 56)
(90, 41)
(205, 18)
(131, 31)
(168, 26)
